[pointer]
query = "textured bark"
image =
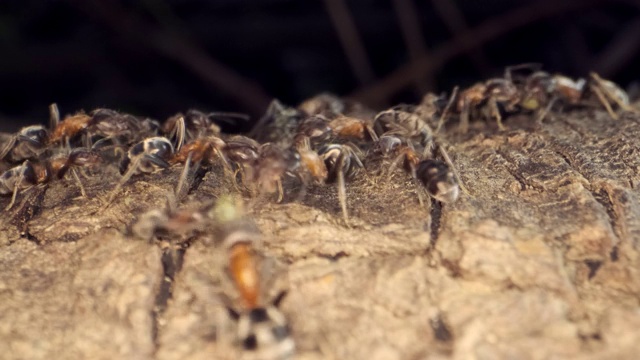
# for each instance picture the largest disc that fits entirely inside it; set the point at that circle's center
(540, 260)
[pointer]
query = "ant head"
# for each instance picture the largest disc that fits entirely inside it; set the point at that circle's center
(36, 134)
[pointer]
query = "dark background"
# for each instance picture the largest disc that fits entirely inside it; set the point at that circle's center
(158, 57)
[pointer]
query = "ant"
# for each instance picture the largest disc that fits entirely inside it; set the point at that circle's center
(487, 97)
(314, 129)
(105, 123)
(241, 149)
(402, 122)
(270, 167)
(262, 329)
(64, 131)
(312, 165)
(278, 124)
(541, 88)
(439, 178)
(350, 127)
(392, 146)
(183, 223)
(324, 104)
(198, 124)
(341, 161)
(110, 125)
(31, 173)
(203, 150)
(243, 152)
(609, 93)
(147, 156)
(31, 141)
(27, 143)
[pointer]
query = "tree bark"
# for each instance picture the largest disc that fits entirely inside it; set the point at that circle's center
(539, 260)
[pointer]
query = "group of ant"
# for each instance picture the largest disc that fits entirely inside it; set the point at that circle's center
(526, 88)
(326, 146)
(322, 141)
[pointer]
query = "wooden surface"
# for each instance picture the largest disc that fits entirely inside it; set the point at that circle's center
(540, 260)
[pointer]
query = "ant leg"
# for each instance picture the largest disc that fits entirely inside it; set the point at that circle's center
(624, 106)
(603, 100)
(427, 151)
(183, 176)
(119, 151)
(234, 179)
(132, 170)
(445, 112)
(546, 110)
(418, 186)
(393, 165)
(464, 118)
(280, 191)
(16, 187)
(599, 81)
(447, 159)
(226, 166)
(86, 140)
(342, 190)
(6, 149)
(495, 113)
(98, 143)
(84, 173)
(372, 133)
(77, 178)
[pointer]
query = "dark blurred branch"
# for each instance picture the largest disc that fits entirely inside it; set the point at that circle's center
(414, 41)
(464, 42)
(454, 19)
(179, 48)
(350, 40)
(620, 50)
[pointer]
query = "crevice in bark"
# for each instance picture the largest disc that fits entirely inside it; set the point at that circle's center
(511, 168)
(172, 261)
(198, 177)
(613, 255)
(602, 197)
(27, 209)
(440, 330)
(27, 235)
(599, 193)
(436, 217)
(593, 266)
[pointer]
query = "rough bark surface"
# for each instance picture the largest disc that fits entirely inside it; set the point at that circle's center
(539, 260)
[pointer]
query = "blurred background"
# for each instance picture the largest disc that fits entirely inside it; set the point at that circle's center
(158, 57)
